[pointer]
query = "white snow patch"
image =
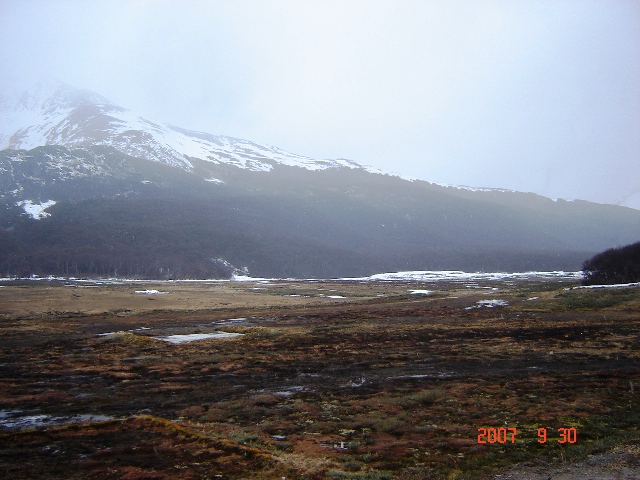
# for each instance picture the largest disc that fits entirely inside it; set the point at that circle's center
(420, 292)
(617, 285)
(36, 210)
(456, 275)
(246, 278)
(489, 304)
(192, 337)
(214, 180)
(473, 189)
(150, 292)
(493, 303)
(230, 321)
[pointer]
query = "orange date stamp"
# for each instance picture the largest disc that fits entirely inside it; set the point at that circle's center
(509, 434)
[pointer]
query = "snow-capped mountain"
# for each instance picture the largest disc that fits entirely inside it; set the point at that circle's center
(90, 188)
(53, 113)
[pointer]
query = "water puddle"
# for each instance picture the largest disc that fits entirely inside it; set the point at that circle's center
(19, 420)
(192, 337)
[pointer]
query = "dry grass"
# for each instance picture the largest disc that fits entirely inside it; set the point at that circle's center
(403, 384)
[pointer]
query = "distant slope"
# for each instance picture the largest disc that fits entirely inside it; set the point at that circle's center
(120, 215)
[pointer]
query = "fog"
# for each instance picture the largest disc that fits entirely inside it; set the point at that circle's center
(531, 95)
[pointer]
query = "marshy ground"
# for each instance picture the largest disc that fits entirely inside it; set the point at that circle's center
(327, 379)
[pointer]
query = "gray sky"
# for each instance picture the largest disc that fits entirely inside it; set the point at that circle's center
(539, 96)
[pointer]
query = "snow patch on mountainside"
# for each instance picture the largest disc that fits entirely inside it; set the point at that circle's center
(30, 128)
(474, 189)
(19, 169)
(36, 210)
(217, 181)
(31, 115)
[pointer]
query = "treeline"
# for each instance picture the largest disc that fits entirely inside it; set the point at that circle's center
(616, 265)
(180, 238)
(110, 239)
(170, 238)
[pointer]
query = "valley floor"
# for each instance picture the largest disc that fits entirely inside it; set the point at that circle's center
(319, 379)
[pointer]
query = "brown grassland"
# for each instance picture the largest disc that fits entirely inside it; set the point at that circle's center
(329, 380)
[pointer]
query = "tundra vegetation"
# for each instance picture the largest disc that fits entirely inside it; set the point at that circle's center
(329, 379)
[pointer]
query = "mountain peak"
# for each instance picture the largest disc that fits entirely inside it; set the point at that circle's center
(49, 112)
(46, 94)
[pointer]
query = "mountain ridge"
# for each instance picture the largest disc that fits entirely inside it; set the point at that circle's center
(74, 118)
(116, 178)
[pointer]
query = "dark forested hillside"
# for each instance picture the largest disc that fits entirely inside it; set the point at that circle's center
(118, 215)
(615, 265)
(185, 238)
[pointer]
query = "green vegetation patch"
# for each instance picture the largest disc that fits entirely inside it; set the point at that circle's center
(597, 298)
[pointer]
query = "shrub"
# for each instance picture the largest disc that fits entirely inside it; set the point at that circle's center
(243, 437)
(428, 397)
(266, 400)
(284, 446)
(352, 466)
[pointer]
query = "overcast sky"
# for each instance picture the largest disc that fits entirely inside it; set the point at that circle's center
(539, 96)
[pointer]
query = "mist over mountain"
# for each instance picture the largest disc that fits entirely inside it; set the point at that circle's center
(52, 113)
(90, 188)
